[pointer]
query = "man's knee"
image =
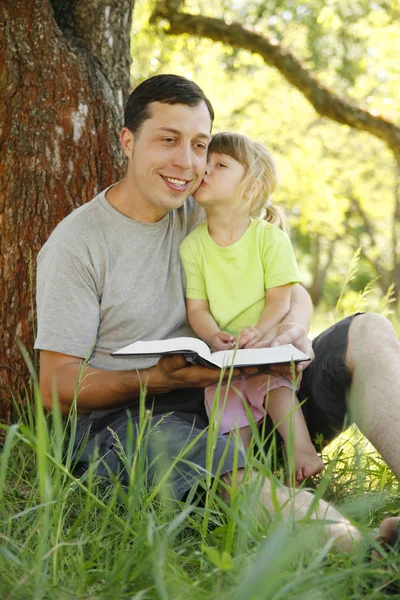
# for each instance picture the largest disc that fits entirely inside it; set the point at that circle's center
(368, 333)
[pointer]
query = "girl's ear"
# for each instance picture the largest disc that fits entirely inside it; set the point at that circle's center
(252, 190)
(256, 187)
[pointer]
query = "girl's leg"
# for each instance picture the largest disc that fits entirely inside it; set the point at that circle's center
(284, 409)
(245, 435)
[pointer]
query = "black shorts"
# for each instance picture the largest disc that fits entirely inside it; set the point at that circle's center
(325, 383)
(323, 389)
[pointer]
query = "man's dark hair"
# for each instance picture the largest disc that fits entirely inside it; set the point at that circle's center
(167, 89)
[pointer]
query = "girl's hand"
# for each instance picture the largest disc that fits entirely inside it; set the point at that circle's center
(248, 337)
(222, 341)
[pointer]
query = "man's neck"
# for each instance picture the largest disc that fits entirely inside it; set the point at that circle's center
(123, 198)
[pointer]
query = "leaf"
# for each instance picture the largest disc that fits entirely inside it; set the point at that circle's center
(222, 560)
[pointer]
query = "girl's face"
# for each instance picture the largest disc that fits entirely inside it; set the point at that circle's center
(221, 182)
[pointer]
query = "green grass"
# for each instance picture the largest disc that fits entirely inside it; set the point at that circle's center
(63, 537)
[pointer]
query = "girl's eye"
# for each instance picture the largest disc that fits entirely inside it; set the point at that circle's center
(221, 165)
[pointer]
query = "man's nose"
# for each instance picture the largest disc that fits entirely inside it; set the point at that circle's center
(183, 156)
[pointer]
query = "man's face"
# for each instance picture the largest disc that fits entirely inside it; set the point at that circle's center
(168, 157)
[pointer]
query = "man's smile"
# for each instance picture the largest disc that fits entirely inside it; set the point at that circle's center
(175, 183)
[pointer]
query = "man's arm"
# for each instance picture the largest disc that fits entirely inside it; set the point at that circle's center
(99, 389)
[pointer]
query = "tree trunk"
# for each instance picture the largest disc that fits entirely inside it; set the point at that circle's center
(60, 115)
(396, 238)
(314, 289)
(320, 271)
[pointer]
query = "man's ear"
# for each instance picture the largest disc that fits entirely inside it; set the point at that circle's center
(127, 140)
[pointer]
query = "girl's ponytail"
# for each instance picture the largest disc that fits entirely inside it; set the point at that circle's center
(276, 216)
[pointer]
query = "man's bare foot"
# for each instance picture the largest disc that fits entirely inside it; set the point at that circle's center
(389, 540)
(307, 463)
(389, 532)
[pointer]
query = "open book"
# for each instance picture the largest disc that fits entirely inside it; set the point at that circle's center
(197, 352)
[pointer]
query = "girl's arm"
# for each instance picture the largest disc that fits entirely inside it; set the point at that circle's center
(299, 315)
(293, 329)
(277, 305)
(204, 325)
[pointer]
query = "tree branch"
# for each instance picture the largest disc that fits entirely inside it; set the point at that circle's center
(325, 102)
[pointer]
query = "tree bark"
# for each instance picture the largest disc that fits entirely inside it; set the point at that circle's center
(60, 115)
(325, 102)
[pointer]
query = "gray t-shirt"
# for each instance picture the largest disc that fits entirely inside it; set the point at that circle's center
(105, 280)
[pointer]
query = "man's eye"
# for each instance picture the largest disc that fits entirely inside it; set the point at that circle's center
(201, 146)
(221, 165)
(169, 140)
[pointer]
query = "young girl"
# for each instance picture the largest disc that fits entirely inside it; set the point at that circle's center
(239, 269)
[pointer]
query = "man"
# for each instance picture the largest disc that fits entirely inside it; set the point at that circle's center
(110, 274)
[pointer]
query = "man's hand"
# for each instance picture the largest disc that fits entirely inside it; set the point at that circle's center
(288, 333)
(249, 336)
(222, 341)
(174, 372)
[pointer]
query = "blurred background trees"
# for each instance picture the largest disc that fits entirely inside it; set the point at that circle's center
(340, 185)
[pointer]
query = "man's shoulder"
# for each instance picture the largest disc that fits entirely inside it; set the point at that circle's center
(80, 223)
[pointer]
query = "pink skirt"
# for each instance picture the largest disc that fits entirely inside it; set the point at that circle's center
(251, 390)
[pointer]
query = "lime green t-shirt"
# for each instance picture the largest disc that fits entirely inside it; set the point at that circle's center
(234, 279)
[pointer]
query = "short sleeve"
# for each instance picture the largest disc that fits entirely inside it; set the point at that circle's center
(279, 261)
(195, 284)
(68, 306)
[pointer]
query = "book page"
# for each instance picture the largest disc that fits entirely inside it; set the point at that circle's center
(173, 345)
(258, 356)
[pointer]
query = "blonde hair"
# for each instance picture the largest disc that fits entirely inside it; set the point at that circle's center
(260, 178)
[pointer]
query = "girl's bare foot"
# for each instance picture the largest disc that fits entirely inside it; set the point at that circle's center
(307, 463)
